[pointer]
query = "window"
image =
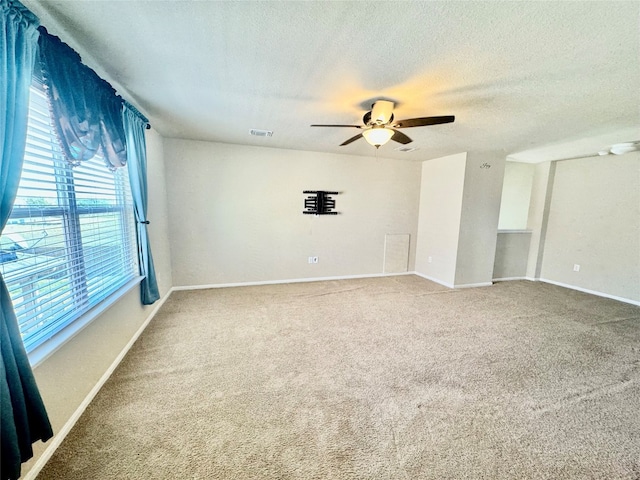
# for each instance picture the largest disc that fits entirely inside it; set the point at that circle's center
(70, 241)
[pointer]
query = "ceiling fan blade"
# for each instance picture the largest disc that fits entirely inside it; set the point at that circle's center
(352, 139)
(353, 126)
(424, 121)
(400, 137)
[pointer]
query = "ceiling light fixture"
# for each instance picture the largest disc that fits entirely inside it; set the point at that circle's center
(622, 148)
(377, 135)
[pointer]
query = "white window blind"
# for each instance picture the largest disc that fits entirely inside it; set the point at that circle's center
(70, 241)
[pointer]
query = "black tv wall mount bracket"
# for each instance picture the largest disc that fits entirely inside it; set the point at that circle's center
(319, 202)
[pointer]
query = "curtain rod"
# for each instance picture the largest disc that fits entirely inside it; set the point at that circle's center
(139, 114)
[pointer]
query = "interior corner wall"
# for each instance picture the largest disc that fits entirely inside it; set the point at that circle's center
(236, 213)
(483, 179)
(516, 195)
(594, 222)
(541, 190)
(441, 192)
(158, 210)
(67, 376)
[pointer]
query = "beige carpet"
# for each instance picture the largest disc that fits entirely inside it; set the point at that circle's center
(384, 378)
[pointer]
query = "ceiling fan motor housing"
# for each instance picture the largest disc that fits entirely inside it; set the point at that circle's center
(382, 112)
(368, 121)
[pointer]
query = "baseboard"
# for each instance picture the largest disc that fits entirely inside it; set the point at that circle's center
(474, 285)
(64, 431)
(435, 280)
(324, 279)
(291, 280)
(448, 285)
(592, 292)
(571, 287)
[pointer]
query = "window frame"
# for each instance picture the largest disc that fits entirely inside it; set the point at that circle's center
(86, 306)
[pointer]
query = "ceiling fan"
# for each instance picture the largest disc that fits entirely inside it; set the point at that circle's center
(379, 125)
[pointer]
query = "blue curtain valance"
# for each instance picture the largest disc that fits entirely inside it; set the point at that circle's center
(87, 111)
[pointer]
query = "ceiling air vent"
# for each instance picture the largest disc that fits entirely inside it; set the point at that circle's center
(261, 133)
(406, 149)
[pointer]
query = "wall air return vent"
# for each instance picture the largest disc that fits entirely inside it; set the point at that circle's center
(261, 133)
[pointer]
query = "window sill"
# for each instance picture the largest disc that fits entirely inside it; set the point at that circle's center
(42, 351)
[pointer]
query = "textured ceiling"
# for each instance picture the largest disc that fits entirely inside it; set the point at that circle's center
(538, 80)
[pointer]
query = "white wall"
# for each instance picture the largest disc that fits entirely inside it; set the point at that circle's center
(512, 249)
(483, 179)
(594, 221)
(458, 218)
(236, 212)
(69, 374)
(516, 195)
(158, 211)
(440, 211)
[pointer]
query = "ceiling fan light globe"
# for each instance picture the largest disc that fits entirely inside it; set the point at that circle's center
(377, 136)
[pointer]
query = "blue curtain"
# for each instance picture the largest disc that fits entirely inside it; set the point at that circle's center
(87, 112)
(23, 419)
(134, 126)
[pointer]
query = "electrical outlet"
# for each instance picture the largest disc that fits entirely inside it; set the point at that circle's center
(310, 260)
(315, 259)
(576, 267)
(430, 259)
